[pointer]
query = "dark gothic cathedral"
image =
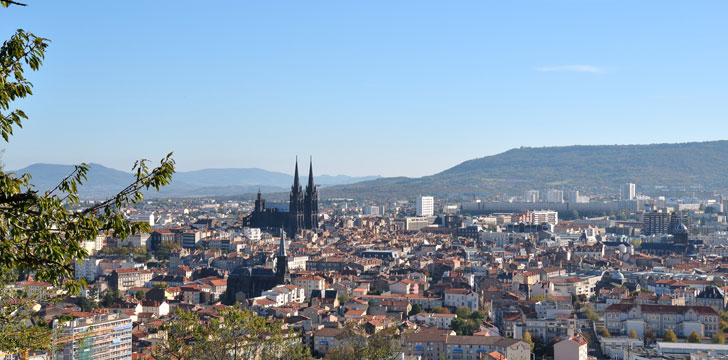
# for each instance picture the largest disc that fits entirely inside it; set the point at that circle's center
(248, 282)
(302, 209)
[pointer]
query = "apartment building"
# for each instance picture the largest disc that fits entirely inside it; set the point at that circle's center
(436, 345)
(127, 278)
(99, 336)
(622, 318)
(310, 283)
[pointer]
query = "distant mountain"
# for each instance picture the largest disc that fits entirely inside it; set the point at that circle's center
(598, 167)
(104, 181)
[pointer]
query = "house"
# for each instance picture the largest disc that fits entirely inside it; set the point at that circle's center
(574, 348)
(462, 297)
(440, 321)
(157, 308)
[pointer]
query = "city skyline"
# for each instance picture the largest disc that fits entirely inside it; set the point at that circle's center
(207, 82)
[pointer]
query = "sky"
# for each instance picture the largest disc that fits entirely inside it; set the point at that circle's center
(391, 88)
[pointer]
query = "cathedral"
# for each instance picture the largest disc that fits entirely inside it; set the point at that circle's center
(302, 209)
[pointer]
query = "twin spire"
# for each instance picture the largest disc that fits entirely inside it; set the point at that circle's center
(297, 183)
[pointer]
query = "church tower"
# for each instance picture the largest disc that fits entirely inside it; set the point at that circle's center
(296, 220)
(310, 203)
(259, 203)
(282, 274)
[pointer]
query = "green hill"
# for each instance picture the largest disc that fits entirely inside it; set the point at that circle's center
(589, 168)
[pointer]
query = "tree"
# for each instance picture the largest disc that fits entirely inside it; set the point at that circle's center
(235, 334)
(110, 297)
(416, 309)
(477, 316)
(527, 338)
(633, 334)
(440, 310)
(140, 295)
(590, 313)
(694, 337)
(605, 333)
(385, 345)
(85, 304)
(463, 312)
(718, 338)
(41, 232)
(165, 249)
(463, 326)
(669, 336)
(650, 336)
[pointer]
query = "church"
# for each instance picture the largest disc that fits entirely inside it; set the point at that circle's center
(302, 209)
(248, 282)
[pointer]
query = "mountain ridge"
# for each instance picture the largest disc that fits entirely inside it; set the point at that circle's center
(104, 181)
(578, 167)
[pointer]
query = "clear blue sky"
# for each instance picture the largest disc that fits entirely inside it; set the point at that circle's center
(366, 87)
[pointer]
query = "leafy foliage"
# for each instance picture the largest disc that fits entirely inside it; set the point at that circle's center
(718, 338)
(670, 336)
(42, 233)
(234, 334)
(527, 338)
(633, 334)
(694, 337)
(384, 345)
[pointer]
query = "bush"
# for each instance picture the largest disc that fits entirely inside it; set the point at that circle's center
(633, 334)
(718, 339)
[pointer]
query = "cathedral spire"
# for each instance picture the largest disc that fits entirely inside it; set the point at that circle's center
(296, 183)
(310, 175)
(282, 245)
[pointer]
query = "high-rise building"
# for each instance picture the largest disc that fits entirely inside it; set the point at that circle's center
(655, 222)
(99, 336)
(555, 196)
(425, 206)
(545, 216)
(627, 192)
(531, 196)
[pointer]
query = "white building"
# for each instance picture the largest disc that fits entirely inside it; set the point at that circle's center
(555, 196)
(545, 216)
(87, 269)
(144, 217)
(253, 234)
(531, 196)
(370, 210)
(461, 297)
(101, 336)
(627, 192)
(425, 206)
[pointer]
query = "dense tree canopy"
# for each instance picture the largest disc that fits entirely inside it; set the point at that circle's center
(234, 334)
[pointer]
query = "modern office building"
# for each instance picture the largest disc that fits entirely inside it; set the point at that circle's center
(99, 336)
(425, 206)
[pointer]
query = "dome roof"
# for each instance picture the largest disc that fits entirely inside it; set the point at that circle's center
(617, 275)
